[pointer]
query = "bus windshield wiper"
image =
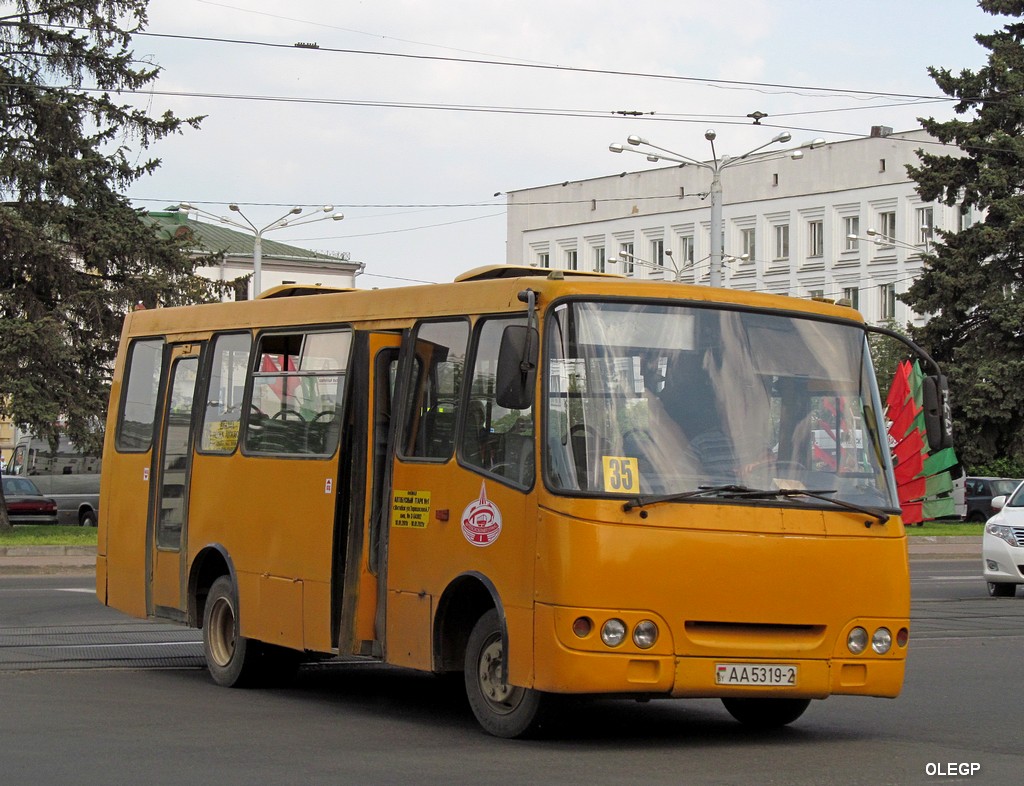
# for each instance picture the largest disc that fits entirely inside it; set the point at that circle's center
(700, 491)
(881, 515)
(734, 491)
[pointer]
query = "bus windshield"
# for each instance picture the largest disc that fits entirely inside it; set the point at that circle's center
(655, 398)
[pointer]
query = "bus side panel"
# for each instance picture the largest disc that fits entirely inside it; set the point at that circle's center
(433, 547)
(290, 503)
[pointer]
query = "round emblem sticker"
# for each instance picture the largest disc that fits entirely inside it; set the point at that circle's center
(481, 520)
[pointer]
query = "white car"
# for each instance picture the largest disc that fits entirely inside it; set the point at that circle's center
(1002, 545)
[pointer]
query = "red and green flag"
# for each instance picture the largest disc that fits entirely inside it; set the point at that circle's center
(923, 481)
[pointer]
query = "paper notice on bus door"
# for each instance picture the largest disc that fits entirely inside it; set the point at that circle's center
(410, 509)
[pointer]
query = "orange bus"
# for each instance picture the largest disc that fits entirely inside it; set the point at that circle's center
(554, 483)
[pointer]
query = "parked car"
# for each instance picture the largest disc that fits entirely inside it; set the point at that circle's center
(1002, 545)
(26, 504)
(979, 492)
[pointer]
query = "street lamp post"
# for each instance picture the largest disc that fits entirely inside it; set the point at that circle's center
(257, 233)
(715, 166)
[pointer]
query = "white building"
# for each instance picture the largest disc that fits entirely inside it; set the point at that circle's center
(786, 223)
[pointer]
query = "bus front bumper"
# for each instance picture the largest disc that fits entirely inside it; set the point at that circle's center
(585, 669)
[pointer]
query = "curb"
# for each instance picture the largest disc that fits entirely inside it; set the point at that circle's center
(48, 551)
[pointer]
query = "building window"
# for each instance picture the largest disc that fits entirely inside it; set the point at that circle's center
(887, 227)
(963, 218)
(571, 260)
(851, 232)
(599, 259)
(686, 250)
(544, 260)
(749, 240)
(887, 301)
(925, 225)
(781, 242)
(852, 296)
(626, 257)
(658, 253)
(815, 238)
(816, 293)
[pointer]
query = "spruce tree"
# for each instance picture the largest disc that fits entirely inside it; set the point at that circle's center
(972, 286)
(75, 256)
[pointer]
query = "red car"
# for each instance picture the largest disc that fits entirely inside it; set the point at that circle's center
(25, 503)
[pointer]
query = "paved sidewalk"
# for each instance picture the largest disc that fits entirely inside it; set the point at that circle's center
(70, 560)
(21, 560)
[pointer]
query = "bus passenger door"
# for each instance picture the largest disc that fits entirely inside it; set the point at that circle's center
(168, 510)
(366, 456)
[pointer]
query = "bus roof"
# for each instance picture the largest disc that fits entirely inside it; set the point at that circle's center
(486, 290)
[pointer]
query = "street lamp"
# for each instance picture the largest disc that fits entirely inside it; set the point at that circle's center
(675, 269)
(715, 166)
(876, 237)
(257, 233)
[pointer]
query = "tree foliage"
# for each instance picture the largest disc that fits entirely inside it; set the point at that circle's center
(973, 285)
(74, 255)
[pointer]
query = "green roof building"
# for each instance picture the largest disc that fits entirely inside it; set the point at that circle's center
(280, 263)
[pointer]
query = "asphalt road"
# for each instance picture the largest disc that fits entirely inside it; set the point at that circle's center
(88, 695)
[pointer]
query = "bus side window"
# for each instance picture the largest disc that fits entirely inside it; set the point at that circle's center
(298, 382)
(496, 440)
(437, 392)
(222, 414)
(140, 391)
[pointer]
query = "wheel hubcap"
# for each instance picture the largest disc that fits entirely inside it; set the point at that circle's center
(494, 686)
(222, 632)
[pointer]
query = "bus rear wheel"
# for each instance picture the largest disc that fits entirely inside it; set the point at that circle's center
(501, 709)
(233, 660)
(766, 713)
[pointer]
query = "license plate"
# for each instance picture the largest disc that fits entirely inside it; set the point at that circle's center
(755, 674)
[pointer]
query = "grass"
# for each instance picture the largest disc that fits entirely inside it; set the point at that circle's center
(42, 535)
(946, 528)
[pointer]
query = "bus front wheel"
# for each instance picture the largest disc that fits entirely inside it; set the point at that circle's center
(766, 713)
(501, 709)
(233, 660)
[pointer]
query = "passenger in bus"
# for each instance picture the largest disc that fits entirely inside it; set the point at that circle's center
(654, 436)
(690, 396)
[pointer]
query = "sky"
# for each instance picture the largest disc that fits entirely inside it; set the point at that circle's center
(414, 118)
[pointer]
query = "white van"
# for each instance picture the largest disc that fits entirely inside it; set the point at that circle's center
(69, 476)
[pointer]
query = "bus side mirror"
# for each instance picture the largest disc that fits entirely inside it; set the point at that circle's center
(517, 367)
(938, 416)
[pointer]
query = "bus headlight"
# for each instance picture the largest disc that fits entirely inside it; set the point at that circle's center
(613, 632)
(881, 641)
(857, 640)
(645, 634)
